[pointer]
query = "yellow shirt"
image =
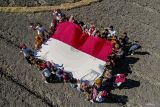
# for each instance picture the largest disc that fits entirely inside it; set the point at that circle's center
(39, 40)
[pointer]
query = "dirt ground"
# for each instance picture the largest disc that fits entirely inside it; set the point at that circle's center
(21, 84)
(33, 2)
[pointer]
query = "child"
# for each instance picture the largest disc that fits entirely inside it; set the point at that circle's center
(53, 25)
(112, 31)
(84, 86)
(38, 42)
(125, 39)
(27, 52)
(119, 80)
(72, 19)
(133, 48)
(41, 31)
(47, 75)
(99, 92)
(97, 34)
(105, 33)
(59, 15)
(92, 30)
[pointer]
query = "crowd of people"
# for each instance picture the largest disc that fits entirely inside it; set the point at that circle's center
(51, 72)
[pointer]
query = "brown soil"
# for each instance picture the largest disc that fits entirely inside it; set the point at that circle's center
(21, 84)
(34, 2)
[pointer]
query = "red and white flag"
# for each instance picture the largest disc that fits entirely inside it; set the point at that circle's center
(82, 55)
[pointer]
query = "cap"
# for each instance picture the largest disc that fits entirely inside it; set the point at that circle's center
(98, 81)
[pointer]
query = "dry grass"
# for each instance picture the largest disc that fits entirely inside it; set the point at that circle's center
(64, 6)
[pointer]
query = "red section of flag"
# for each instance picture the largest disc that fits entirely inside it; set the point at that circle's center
(73, 35)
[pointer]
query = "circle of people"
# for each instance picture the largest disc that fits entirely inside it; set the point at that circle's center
(51, 72)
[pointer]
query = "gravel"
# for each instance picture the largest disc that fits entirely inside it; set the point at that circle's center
(140, 18)
(34, 2)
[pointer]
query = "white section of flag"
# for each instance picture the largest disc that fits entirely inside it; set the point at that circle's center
(82, 66)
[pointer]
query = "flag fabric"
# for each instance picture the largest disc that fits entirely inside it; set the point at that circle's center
(82, 55)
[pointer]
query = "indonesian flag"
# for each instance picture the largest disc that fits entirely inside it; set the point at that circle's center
(82, 55)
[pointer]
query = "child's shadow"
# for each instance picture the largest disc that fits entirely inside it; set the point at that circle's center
(130, 84)
(119, 99)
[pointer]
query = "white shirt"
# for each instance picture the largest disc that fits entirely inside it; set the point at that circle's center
(40, 30)
(112, 33)
(46, 72)
(26, 51)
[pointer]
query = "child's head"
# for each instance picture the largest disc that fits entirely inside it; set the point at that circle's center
(125, 33)
(38, 24)
(83, 85)
(98, 82)
(111, 27)
(107, 74)
(92, 25)
(57, 11)
(43, 66)
(98, 33)
(65, 77)
(73, 80)
(23, 46)
(116, 46)
(106, 30)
